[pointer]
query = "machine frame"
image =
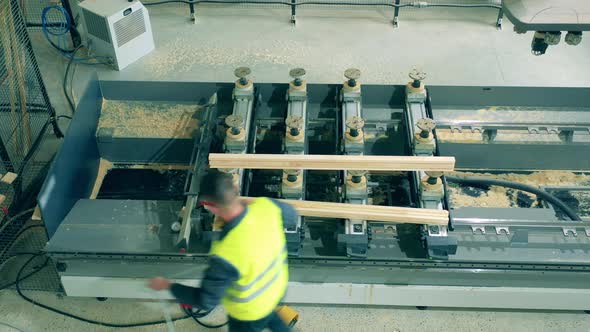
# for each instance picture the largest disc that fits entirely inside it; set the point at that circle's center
(521, 278)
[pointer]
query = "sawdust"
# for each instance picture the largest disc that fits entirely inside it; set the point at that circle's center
(516, 114)
(180, 56)
(446, 135)
(505, 197)
(149, 119)
(521, 136)
(104, 167)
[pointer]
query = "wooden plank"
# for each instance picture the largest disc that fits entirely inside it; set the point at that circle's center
(9, 177)
(367, 212)
(331, 162)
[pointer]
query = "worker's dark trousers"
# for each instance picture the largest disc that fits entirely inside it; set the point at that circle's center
(272, 322)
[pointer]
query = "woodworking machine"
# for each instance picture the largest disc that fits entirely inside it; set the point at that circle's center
(120, 206)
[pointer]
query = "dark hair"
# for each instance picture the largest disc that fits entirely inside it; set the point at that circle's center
(217, 187)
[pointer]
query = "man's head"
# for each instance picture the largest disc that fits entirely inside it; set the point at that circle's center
(219, 195)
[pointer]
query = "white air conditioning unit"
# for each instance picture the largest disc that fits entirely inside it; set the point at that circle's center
(119, 29)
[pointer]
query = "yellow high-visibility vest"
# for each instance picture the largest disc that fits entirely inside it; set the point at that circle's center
(257, 248)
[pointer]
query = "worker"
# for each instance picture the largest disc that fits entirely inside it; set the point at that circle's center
(247, 270)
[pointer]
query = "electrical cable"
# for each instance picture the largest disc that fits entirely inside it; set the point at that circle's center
(26, 229)
(16, 254)
(90, 321)
(30, 274)
(86, 320)
(11, 326)
(65, 80)
(19, 279)
(198, 314)
(62, 27)
(472, 180)
(16, 216)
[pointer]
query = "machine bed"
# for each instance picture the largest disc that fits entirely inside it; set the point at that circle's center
(510, 252)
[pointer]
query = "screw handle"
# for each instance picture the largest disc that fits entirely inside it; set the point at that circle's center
(234, 121)
(426, 124)
(352, 73)
(297, 72)
(355, 122)
(417, 75)
(357, 172)
(242, 72)
(433, 176)
(292, 171)
(294, 121)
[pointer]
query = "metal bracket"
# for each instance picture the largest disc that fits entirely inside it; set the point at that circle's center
(434, 230)
(533, 130)
(476, 129)
(502, 230)
(456, 129)
(482, 229)
(567, 231)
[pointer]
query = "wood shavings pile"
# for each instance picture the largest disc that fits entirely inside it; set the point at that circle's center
(149, 119)
(462, 196)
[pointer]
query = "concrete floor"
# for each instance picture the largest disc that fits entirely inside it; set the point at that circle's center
(455, 47)
(15, 311)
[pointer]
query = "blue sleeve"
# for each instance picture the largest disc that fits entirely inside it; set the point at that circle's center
(289, 214)
(218, 277)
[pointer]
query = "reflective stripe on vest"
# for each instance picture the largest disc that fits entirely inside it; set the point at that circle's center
(261, 289)
(256, 247)
(279, 259)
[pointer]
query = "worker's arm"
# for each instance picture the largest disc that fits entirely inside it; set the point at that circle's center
(289, 214)
(218, 277)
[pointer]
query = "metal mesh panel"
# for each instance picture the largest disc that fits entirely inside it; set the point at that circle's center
(24, 106)
(32, 240)
(25, 114)
(32, 10)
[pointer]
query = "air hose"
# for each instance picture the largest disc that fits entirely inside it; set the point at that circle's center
(478, 181)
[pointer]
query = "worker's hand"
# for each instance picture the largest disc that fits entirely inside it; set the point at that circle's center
(159, 283)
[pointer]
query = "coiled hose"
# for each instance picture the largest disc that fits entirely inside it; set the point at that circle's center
(479, 181)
